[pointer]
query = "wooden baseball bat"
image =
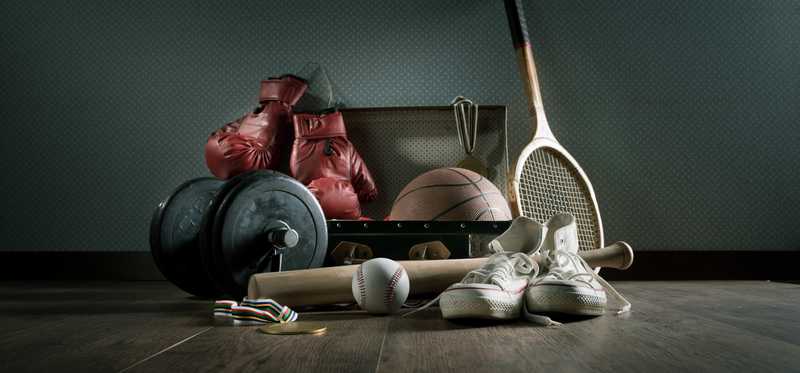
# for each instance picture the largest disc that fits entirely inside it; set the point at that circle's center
(331, 285)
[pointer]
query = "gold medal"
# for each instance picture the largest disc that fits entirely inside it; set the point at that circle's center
(296, 327)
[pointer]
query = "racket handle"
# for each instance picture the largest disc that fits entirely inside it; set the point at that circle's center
(517, 23)
(527, 68)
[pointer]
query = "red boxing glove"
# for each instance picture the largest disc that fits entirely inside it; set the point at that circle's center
(256, 140)
(337, 198)
(321, 150)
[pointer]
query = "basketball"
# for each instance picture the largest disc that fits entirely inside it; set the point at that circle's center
(450, 194)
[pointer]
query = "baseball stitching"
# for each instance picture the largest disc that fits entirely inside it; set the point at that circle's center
(362, 289)
(388, 294)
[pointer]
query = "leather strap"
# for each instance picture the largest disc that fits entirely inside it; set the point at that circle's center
(287, 89)
(314, 126)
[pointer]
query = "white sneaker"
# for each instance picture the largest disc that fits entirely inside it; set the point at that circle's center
(494, 291)
(524, 235)
(567, 285)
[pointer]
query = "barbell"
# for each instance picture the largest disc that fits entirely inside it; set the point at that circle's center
(209, 236)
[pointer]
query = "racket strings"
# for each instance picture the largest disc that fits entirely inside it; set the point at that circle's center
(549, 185)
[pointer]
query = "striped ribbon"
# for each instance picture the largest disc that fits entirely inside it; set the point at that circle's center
(253, 311)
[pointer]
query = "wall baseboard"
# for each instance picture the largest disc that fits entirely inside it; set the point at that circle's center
(710, 265)
(648, 265)
(75, 265)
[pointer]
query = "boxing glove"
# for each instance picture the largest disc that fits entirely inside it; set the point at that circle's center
(337, 198)
(322, 155)
(257, 140)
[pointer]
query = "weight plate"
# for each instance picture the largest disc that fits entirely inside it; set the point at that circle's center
(174, 233)
(208, 263)
(238, 232)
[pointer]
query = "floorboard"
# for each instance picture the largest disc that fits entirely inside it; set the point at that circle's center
(153, 327)
(92, 327)
(654, 337)
(351, 344)
(761, 307)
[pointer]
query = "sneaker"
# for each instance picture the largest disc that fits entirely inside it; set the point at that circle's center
(567, 284)
(524, 235)
(494, 291)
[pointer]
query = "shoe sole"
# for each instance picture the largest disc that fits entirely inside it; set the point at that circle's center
(480, 304)
(571, 300)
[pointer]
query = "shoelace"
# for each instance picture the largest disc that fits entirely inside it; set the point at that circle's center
(557, 271)
(504, 269)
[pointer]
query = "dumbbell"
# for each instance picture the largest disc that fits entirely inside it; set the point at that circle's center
(209, 236)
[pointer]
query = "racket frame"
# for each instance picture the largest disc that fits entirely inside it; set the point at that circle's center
(542, 134)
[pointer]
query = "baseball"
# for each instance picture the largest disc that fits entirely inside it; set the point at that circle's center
(380, 286)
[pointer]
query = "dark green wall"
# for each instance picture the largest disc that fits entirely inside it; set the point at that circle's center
(684, 113)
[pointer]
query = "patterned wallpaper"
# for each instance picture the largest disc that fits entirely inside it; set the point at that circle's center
(684, 113)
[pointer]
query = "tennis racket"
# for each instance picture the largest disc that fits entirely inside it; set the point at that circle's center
(547, 180)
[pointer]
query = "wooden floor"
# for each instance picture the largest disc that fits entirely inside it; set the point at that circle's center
(152, 327)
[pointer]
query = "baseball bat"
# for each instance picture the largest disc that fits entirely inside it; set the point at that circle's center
(331, 285)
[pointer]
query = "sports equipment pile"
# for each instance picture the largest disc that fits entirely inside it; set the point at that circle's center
(285, 178)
